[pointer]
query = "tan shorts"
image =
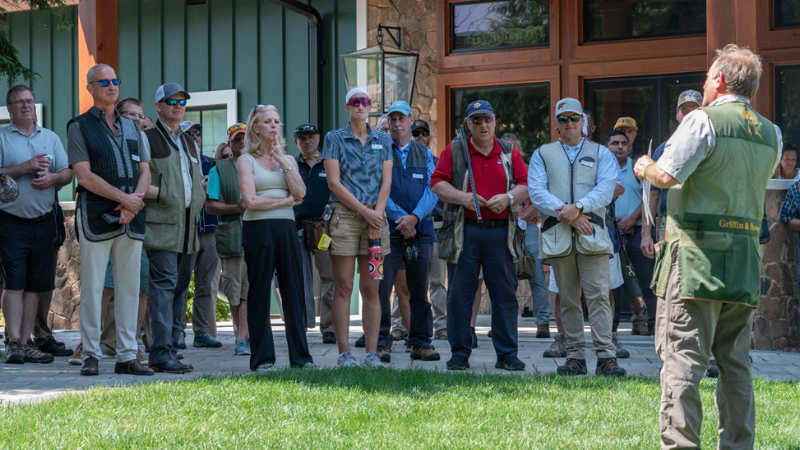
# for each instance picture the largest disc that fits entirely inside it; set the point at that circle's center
(234, 279)
(348, 232)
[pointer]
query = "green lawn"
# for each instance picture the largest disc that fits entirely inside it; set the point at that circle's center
(384, 408)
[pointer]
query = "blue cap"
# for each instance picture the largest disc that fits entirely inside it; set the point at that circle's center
(401, 107)
(479, 107)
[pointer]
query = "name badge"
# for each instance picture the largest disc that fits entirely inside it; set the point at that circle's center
(135, 158)
(194, 160)
(417, 175)
(587, 163)
(377, 146)
(323, 175)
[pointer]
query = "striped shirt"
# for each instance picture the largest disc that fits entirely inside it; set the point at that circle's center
(360, 166)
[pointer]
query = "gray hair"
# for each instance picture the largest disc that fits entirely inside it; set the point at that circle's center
(740, 68)
(513, 139)
(90, 73)
(15, 89)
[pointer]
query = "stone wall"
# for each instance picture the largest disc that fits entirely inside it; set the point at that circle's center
(417, 22)
(776, 325)
(64, 310)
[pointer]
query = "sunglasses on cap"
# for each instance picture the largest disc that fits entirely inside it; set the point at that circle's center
(237, 127)
(418, 133)
(477, 120)
(575, 118)
(306, 129)
(194, 133)
(174, 101)
(355, 102)
(105, 82)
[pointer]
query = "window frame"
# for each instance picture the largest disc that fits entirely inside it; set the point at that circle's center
(451, 31)
(628, 40)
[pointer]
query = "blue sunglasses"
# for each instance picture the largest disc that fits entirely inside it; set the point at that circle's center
(175, 101)
(106, 82)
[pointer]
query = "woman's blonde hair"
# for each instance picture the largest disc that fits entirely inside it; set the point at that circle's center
(220, 148)
(251, 139)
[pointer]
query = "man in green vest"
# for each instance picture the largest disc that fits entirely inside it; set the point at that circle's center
(708, 269)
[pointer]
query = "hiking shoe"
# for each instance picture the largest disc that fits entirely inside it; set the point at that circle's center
(141, 358)
(206, 340)
(543, 331)
(574, 367)
(241, 348)
(346, 359)
(32, 354)
(329, 337)
(441, 334)
(474, 339)
(75, 359)
(558, 349)
(399, 335)
(713, 370)
(305, 365)
(265, 368)
(15, 351)
(458, 363)
(373, 360)
(621, 352)
(510, 363)
(385, 354)
(609, 366)
(51, 346)
(640, 329)
(182, 341)
(90, 368)
(425, 353)
(361, 342)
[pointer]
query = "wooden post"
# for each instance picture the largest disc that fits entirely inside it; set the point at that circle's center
(98, 41)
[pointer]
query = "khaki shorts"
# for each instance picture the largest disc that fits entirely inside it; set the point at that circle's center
(348, 232)
(234, 279)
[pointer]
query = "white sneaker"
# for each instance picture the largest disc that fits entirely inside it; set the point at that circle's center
(266, 368)
(373, 360)
(347, 359)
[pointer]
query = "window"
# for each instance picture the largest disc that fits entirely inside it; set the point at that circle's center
(5, 119)
(480, 26)
(787, 13)
(605, 20)
(216, 111)
(787, 102)
(523, 110)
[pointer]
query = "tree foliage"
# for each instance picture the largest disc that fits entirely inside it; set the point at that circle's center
(513, 23)
(10, 65)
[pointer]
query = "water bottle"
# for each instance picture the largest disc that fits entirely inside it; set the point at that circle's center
(375, 259)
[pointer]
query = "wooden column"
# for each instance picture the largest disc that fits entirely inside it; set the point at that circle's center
(98, 41)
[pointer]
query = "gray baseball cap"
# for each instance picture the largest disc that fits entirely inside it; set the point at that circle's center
(186, 126)
(690, 96)
(167, 90)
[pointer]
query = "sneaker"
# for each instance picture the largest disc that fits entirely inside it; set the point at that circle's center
(621, 352)
(425, 353)
(346, 359)
(206, 340)
(458, 363)
(52, 347)
(306, 365)
(558, 349)
(713, 370)
(182, 341)
(373, 360)
(75, 359)
(241, 348)
(573, 367)
(31, 353)
(441, 334)
(510, 363)
(474, 339)
(385, 354)
(399, 335)
(640, 329)
(328, 337)
(609, 366)
(15, 351)
(266, 368)
(361, 342)
(141, 358)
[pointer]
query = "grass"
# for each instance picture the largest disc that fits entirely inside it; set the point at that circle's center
(383, 408)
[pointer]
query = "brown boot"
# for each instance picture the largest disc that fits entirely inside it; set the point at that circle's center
(639, 307)
(543, 331)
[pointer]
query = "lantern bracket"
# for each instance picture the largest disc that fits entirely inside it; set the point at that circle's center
(395, 40)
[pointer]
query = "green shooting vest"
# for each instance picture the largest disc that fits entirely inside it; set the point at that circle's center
(714, 218)
(229, 229)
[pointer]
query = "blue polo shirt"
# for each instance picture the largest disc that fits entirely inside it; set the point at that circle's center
(360, 166)
(626, 204)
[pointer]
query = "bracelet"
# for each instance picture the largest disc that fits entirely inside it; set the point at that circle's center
(644, 171)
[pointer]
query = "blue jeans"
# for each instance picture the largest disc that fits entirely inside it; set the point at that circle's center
(540, 304)
(483, 248)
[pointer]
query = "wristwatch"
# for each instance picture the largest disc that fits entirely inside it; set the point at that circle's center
(286, 170)
(579, 205)
(510, 199)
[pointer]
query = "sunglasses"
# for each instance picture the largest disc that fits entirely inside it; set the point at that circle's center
(194, 133)
(237, 127)
(306, 129)
(359, 101)
(225, 156)
(174, 101)
(488, 118)
(575, 118)
(105, 82)
(418, 133)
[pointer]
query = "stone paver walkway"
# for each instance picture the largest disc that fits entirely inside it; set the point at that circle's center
(34, 382)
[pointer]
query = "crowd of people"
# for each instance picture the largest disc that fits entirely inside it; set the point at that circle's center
(257, 221)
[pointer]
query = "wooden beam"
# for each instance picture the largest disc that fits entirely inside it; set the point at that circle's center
(14, 7)
(98, 41)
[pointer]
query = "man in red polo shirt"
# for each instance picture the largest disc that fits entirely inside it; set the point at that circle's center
(501, 184)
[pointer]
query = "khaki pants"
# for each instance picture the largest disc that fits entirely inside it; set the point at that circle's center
(687, 333)
(591, 273)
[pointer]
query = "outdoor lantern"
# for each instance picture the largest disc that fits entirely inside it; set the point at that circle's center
(387, 73)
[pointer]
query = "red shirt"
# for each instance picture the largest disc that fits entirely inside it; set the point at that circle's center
(490, 177)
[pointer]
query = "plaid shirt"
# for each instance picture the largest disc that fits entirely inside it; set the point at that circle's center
(791, 205)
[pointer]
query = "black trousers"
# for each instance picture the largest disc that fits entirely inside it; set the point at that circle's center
(644, 274)
(271, 245)
(421, 321)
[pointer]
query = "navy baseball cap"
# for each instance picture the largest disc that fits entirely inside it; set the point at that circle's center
(479, 107)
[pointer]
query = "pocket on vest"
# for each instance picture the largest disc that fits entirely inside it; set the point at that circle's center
(446, 241)
(584, 174)
(555, 238)
(597, 243)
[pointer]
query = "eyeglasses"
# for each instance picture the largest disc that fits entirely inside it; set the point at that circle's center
(132, 115)
(194, 133)
(105, 82)
(575, 118)
(359, 101)
(225, 156)
(264, 106)
(237, 127)
(20, 103)
(174, 101)
(487, 118)
(417, 133)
